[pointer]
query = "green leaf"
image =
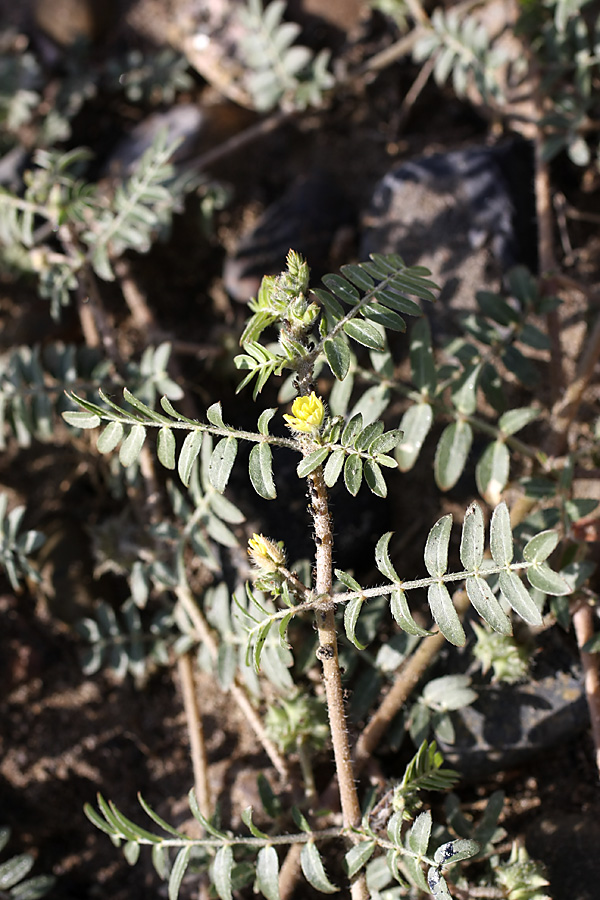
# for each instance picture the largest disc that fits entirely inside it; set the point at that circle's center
(313, 870)
(492, 470)
(387, 318)
(353, 473)
(14, 870)
(189, 452)
(501, 541)
(341, 288)
(451, 454)
(267, 873)
(358, 856)
(521, 366)
(544, 579)
(418, 837)
(351, 614)
(364, 333)
(472, 540)
(178, 871)
(260, 469)
(385, 442)
(517, 595)
(374, 478)
(402, 615)
(110, 437)
(436, 548)
(464, 390)
(483, 600)
(540, 546)
(415, 425)
(515, 419)
(382, 559)
(352, 428)
(221, 463)
(399, 302)
(444, 613)
(454, 851)
(334, 311)
(81, 419)
(421, 358)
(221, 872)
(358, 276)
(333, 467)
(214, 414)
(165, 447)
(437, 885)
(337, 353)
(264, 419)
(309, 463)
(132, 445)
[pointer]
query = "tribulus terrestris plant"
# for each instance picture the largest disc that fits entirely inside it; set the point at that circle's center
(317, 329)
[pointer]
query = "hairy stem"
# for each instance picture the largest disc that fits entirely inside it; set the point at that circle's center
(196, 734)
(328, 654)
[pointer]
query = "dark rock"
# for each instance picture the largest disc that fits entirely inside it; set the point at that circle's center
(463, 214)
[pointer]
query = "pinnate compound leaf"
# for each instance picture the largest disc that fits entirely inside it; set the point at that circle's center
(492, 471)
(364, 333)
(353, 473)
(382, 558)
(451, 454)
(358, 856)
(415, 425)
(260, 469)
(165, 447)
(402, 615)
(311, 462)
(501, 541)
(337, 353)
(313, 870)
(517, 595)
(351, 614)
(472, 540)
(267, 873)
(436, 548)
(221, 871)
(187, 457)
(221, 463)
(483, 600)
(132, 445)
(110, 437)
(540, 546)
(544, 579)
(444, 613)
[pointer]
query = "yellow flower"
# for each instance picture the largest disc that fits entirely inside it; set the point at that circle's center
(307, 414)
(265, 553)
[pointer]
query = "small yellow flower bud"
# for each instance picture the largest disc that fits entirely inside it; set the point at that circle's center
(307, 414)
(265, 554)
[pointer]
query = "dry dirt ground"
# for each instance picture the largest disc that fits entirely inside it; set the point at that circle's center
(64, 737)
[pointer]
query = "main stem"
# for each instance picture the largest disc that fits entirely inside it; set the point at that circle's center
(328, 654)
